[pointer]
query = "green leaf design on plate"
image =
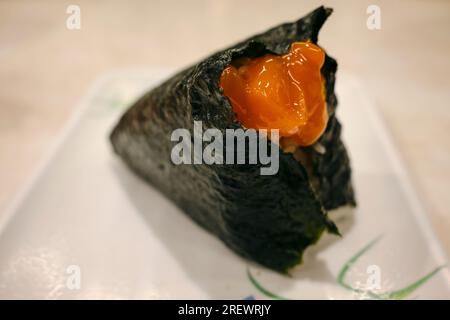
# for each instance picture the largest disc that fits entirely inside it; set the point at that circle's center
(390, 295)
(348, 265)
(397, 294)
(261, 289)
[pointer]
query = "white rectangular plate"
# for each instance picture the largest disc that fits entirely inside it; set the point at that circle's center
(86, 227)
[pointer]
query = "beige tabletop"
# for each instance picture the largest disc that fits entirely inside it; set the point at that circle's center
(45, 68)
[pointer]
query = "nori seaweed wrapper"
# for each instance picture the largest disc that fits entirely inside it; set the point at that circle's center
(270, 219)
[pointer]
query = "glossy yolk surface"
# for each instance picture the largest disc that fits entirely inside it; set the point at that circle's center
(280, 92)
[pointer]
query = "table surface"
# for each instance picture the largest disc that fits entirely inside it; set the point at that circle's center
(46, 68)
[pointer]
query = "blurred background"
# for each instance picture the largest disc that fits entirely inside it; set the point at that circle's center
(45, 68)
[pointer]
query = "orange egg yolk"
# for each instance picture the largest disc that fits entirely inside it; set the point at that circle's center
(283, 92)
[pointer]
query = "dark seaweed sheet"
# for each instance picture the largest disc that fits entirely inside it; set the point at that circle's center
(268, 219)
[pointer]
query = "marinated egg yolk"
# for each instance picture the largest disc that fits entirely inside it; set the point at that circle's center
(283, 92)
